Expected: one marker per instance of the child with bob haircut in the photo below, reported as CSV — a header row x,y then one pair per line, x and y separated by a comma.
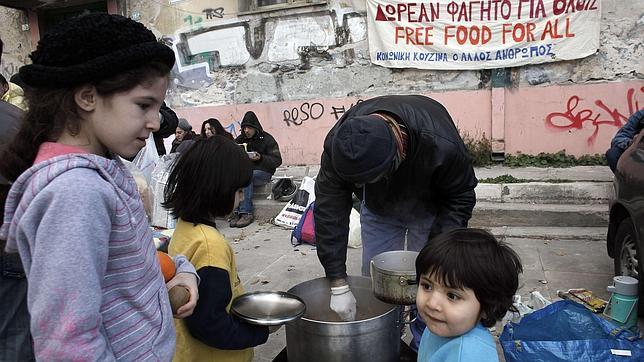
x,y
207,182
466,280
95,288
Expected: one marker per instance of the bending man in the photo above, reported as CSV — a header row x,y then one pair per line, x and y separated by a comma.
x,y
403,158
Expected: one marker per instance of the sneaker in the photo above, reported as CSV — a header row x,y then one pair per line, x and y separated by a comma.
x,y
233,219
245,220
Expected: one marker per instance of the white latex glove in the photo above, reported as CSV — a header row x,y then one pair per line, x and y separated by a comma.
x,y
343,302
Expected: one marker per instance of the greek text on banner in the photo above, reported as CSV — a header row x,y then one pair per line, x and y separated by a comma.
x,y
480,34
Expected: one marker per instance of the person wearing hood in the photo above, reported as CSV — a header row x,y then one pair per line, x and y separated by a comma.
x,y
403,157
265,154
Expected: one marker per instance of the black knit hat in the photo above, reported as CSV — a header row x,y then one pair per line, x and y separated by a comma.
x,y
363,148
90,48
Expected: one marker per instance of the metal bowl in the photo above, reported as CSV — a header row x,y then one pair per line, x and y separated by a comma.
x,y
268,308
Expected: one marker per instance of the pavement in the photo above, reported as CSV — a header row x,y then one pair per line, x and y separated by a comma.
x,y
267,261
556,223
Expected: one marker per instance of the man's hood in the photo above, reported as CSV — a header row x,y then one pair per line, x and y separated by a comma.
x,y
250,120
36,178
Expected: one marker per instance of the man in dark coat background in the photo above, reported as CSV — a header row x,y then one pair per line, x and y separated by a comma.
x,y
15,336
403,157
265,154
168,124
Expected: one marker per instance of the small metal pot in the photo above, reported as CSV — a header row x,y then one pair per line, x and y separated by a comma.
x,y
393,277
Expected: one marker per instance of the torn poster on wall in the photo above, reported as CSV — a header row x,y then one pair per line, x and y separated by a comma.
x,y
480,34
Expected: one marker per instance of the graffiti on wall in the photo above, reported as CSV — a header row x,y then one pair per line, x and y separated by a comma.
x,y
9,69
295,37
213,13
578,116
307,111
194,21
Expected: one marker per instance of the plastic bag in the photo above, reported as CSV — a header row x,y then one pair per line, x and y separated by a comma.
x,y
355,233
160,215
290,215
538,301
521,310
147,158
142,185
567,331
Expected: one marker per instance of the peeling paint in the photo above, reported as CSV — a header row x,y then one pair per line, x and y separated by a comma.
x,y
290,34
321,51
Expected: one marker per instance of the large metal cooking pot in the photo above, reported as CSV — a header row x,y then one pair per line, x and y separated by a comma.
x,y
320,335
393,277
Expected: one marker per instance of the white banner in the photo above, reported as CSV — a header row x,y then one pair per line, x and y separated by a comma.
x,y
480,34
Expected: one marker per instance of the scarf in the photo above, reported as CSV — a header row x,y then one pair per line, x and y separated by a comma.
x,y
400,136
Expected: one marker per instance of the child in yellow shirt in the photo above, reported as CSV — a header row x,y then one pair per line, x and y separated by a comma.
x,y
207,182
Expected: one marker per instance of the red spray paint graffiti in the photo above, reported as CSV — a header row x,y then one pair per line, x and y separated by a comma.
x,y
574,118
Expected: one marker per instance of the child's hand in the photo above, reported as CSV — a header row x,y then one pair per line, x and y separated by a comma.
x,y
189,281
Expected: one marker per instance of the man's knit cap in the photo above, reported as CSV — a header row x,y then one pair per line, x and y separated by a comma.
x,y
184,125
363,148
92,47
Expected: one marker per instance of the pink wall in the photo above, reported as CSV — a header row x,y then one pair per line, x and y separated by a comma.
x,y
525,121
582,119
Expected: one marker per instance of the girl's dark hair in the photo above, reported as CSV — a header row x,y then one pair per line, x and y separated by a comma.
x,y
205,178
474,259
52,110
216,127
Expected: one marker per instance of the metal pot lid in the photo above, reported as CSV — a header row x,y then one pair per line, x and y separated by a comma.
x,y
397,262
268,308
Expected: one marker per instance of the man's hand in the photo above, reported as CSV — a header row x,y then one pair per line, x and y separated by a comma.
x,y
189,281
254,156
343,302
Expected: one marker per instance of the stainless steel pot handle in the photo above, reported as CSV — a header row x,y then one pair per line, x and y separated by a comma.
x,y
407,281
406,316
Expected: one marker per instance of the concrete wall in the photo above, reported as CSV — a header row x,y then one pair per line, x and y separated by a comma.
x,y
283,61
17,42
280,55
230,61
581,119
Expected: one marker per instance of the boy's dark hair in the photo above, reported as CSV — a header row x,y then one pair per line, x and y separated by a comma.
x,y
52,110
474,259
204,180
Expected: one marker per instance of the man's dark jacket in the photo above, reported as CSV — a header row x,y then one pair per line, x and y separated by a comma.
x,y
10,119
437,177
262,143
